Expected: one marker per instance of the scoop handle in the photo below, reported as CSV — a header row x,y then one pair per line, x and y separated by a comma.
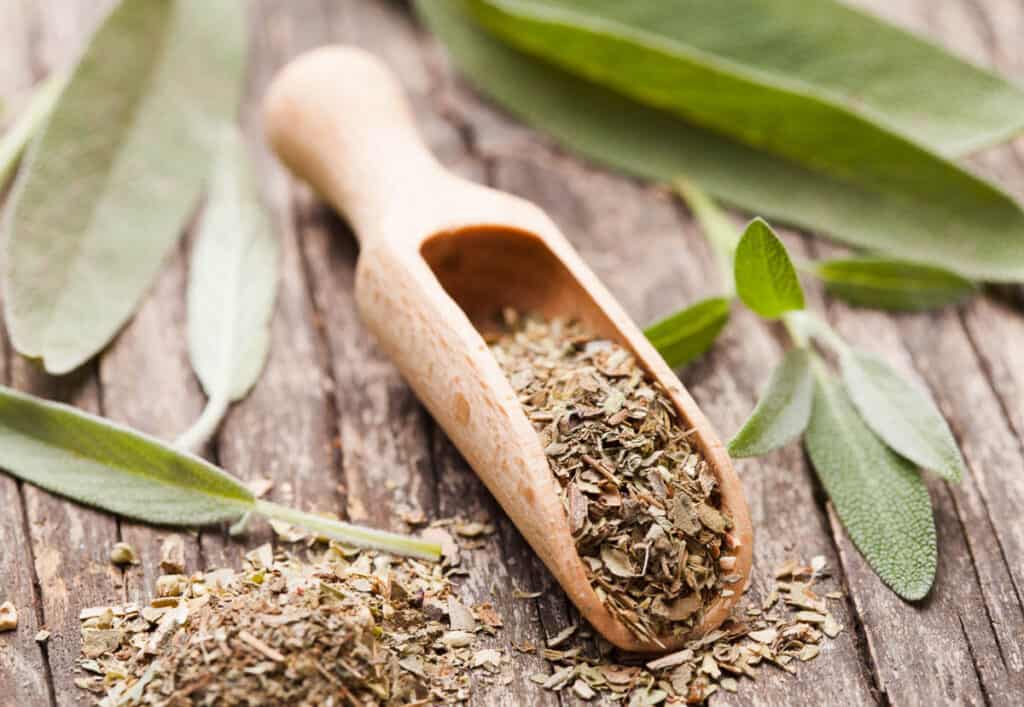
x,y
337,117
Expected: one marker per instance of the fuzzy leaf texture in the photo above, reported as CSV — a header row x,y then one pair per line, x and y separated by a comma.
x,y
651,106
892,284
110,181
102,464
902,413
232,278
688,333
766,280
878,494
782,412
798,56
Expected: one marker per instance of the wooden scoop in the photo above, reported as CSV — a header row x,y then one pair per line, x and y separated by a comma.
x,y
438,254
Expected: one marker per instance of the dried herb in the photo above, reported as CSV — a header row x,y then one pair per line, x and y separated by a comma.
x,y
8,616
123,554
351,627
785,628
642,503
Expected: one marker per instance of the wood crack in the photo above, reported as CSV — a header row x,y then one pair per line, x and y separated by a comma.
x,y
869,663
1004,410
977,575
37,592
974,661
324,352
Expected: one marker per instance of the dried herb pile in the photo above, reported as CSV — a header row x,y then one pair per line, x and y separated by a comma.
x,y
642,503
352,628
784,630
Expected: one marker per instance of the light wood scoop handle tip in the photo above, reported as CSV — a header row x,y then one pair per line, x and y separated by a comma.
x,y
338,118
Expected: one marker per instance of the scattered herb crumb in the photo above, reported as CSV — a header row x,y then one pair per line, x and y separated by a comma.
x,y
350,627
172,555
123,554
8,616
790,633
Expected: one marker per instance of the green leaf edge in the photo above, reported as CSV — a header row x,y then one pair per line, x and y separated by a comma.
x,y
860,292
758,244
746,442
953,474
673,332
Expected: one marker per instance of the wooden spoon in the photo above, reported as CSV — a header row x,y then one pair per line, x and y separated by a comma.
x,y
439,253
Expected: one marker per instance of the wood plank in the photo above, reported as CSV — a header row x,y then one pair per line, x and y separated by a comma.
x,y
322,382
24,672
70,543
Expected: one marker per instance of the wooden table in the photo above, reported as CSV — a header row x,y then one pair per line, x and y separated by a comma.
x,y
336,428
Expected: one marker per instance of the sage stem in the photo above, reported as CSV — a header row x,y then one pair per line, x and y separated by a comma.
x,y
202,430
358,536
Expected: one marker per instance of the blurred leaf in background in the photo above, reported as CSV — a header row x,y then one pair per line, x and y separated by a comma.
x,y
787,138
116,171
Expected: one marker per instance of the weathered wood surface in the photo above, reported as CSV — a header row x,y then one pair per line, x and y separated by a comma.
x,y
336,428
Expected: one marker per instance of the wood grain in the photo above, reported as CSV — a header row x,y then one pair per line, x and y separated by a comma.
x,y
335,427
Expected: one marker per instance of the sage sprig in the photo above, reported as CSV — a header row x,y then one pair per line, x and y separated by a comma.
x,y
95,217
880,283
864,436
793,58
99,463
231,289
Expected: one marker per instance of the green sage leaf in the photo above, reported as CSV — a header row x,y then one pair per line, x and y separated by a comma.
x,y
901,413
892,284
766,280
112,178
102,464
688,333
791,57
783,410
877,190
878,494
232,285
